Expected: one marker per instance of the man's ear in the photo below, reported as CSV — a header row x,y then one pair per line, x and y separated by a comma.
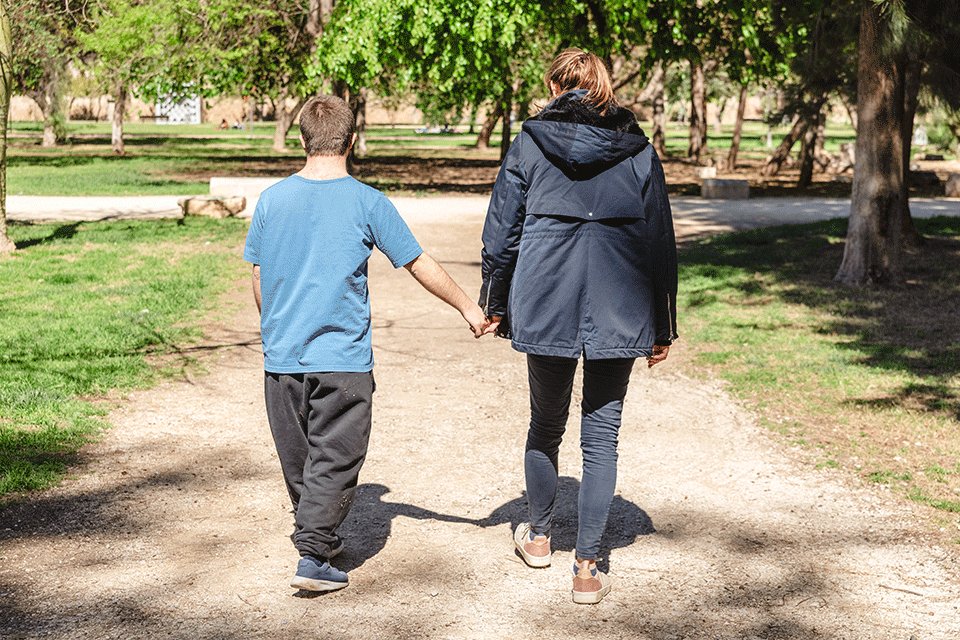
x,y
302,142
352,140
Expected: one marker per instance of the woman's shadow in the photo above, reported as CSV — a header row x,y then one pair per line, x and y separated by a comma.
x,y
369,525
625,522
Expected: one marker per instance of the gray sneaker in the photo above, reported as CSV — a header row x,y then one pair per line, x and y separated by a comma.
x,y
314,575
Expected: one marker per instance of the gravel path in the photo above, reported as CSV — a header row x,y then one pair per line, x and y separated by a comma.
x,y
177,525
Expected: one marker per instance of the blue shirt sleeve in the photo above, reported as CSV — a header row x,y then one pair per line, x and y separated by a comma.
x,y
392,235
251,250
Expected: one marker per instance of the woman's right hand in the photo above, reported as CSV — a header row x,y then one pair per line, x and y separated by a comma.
x,y
494,323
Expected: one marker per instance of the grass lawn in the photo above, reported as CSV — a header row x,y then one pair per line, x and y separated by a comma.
x,y
867,381
89,309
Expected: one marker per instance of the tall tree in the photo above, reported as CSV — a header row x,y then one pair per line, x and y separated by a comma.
x,y
43,31
737,35
261,50
130,45
874,249
453,55
6,86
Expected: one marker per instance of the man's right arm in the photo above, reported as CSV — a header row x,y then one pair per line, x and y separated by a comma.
x,y
256,287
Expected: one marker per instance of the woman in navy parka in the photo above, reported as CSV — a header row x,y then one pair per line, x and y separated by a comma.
x,y
579,259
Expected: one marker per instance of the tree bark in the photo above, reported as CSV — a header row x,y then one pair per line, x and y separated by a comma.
x,y
47,99
659,134
119,111
486,131
6,87
873,251
698,111
737,129
808,150
285,119
358,104
782,151
507,117
911,91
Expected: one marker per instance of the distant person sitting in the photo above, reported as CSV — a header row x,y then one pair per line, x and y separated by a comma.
x,y
237,125
223,125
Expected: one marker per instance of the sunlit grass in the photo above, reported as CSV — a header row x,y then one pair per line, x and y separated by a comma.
x,y
87,309
864,380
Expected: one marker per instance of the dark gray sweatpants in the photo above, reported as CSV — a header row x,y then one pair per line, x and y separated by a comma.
x,y
321,427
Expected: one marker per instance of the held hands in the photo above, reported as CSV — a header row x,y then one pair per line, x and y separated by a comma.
x,y
659,355
480,325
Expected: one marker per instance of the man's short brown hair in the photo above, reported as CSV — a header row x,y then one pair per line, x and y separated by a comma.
x,y
326,124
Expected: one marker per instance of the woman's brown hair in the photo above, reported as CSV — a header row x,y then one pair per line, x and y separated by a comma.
x,y
578,69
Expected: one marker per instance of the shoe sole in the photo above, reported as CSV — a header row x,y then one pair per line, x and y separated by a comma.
x,y
590,597
537,562
309,584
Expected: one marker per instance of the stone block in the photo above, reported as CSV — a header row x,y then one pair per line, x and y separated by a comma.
x,y
724,189
923,179
953,186
706,172
212,206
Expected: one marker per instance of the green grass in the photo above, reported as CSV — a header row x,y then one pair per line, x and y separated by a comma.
x,y
87,309
180,159
864,380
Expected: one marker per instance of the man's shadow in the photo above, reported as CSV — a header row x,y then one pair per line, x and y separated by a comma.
x,y
366,529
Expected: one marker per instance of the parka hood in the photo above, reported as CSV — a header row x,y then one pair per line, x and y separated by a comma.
x,y
581,141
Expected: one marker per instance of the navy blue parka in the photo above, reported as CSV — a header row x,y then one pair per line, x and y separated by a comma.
x,y
579,253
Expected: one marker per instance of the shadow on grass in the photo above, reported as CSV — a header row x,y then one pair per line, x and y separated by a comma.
x,y
914,329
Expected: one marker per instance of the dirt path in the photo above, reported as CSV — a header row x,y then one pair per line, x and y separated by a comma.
x,y
178,526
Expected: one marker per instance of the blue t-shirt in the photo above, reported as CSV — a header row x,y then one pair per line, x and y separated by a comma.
x,y
312,240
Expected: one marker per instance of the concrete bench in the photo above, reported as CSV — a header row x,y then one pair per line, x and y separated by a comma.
x,y
246,187
724,189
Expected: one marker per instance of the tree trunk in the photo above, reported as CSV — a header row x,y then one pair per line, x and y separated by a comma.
x,y
659,133
119,111
873,250
851,111
486,131
6,87
737,129
507,117
50,114
285,119
911,91
783,150
358,104
808,150
698,111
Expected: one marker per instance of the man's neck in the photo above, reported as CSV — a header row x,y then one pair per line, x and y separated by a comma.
x,y
324,168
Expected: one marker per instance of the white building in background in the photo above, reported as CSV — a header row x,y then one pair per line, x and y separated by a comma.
x,y
178,110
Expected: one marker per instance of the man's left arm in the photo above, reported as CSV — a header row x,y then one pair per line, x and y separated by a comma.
x,y
437,281
256,287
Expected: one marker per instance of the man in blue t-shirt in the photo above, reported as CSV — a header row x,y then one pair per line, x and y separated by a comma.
x,y
310,239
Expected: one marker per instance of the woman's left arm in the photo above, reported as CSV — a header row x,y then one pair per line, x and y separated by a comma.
x,y
663,245
501,231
